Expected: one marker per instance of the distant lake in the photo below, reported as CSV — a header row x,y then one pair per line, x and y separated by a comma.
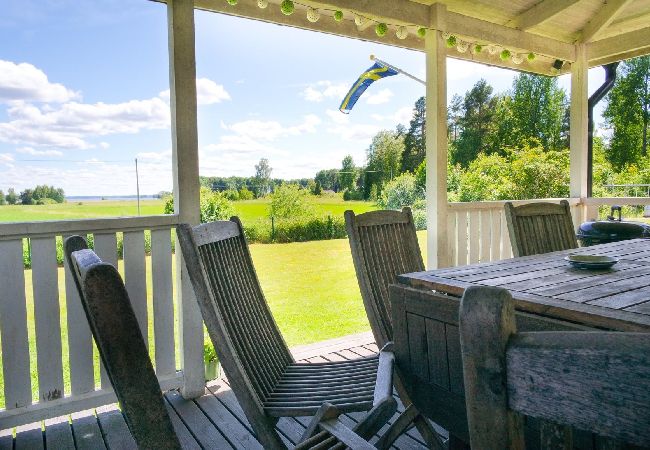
x,y
99,198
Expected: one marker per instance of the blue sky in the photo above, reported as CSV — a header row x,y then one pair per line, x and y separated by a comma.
x,y
84,91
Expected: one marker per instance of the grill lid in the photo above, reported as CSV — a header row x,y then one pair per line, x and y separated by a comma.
x,y
613,228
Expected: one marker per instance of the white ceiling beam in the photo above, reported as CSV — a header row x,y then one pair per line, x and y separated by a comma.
x,y
489,32
602,19
633,43
407,12
539,13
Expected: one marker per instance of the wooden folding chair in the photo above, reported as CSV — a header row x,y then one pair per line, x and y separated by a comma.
x,y
266,380
384,244
593,381
540,228
121,346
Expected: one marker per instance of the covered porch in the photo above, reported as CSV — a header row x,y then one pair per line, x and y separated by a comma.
x,y
564,37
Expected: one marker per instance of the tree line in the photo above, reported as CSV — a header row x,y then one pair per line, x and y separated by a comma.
x,y
510,145
40,195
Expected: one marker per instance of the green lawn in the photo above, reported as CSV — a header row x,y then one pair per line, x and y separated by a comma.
x,y
248,211
310,286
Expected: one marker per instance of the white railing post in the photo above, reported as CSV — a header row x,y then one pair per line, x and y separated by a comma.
x,y
579,134
182,76
436,140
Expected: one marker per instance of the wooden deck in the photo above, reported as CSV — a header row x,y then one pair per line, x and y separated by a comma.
x,y
213,421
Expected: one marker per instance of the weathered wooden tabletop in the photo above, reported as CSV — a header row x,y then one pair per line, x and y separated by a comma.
x,y
616,299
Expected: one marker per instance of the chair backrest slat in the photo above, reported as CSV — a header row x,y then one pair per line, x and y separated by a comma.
x,y
121,347
384,244
593,381
246,337
540,228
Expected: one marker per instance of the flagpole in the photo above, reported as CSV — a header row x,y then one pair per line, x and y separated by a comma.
x,y
385,64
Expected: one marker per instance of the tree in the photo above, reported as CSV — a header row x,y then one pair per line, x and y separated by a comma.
x,y
11,196
538,111
328,179
262,179
477,112
288,201
347,175
27,197
628,113
2,198
414,140
384,159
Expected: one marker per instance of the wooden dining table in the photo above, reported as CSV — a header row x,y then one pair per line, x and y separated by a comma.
x,y
549,294
547,285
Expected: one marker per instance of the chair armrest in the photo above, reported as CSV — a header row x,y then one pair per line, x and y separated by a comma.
x,y
384,383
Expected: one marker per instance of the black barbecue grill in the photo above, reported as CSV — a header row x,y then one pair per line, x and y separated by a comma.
x,y
613,229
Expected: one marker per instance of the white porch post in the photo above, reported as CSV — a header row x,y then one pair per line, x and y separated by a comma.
x,y
185,160
578,129
436,140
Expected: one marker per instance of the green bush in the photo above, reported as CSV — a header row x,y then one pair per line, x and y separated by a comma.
x,y
46,201
213,205
246,194
288,201
400,191
231,194
309,229
352,195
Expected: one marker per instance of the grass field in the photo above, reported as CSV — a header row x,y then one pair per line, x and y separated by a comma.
x,y
310,286
248,211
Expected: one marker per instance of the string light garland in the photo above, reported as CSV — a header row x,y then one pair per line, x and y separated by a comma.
x,y
402,32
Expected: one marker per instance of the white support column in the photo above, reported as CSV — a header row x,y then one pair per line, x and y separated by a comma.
x,y
436,141
578,131
185,160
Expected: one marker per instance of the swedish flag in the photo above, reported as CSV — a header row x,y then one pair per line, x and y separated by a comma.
x,y
376,72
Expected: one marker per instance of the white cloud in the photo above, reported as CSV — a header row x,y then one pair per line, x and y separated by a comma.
x,y
6,157
380,97
207,92
359,132
337,116
319,91
155,156
33,152
402,115
69,125
271,130
24,82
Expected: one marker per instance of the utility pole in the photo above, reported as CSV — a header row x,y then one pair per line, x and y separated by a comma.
x,y
137,184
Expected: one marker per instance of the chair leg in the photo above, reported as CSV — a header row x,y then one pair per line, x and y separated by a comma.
x,y
410,416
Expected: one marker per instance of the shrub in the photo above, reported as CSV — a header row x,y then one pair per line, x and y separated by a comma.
x,y
309,229
289,201
246,194
213,205
231,194
352,195
46,201
399,192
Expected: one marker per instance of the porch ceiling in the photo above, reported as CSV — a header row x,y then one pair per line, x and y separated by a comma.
x,y
611,29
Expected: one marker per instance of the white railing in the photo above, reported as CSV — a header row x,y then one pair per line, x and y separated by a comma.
x,y
478,230
46,303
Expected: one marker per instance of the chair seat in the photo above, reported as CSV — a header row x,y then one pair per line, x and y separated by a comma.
x,y
304,387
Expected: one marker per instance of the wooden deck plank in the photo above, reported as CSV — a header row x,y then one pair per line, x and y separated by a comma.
x,y
199,425
184,436
116,433
227,397
238,435
58,434
29,437
215,420
86,431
